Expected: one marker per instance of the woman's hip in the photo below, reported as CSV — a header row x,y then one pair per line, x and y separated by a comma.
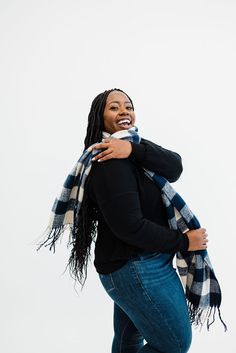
x,y
143,271
146,278
148,289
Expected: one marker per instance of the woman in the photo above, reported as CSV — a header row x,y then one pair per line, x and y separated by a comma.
x,y
135,246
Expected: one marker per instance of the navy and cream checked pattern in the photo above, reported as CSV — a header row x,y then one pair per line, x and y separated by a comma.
x,y
194,267
195,270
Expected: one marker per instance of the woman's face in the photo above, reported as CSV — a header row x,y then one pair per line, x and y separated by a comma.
x,y
118,113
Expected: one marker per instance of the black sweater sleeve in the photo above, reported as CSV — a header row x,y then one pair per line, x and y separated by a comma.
x,y
115,188
157,159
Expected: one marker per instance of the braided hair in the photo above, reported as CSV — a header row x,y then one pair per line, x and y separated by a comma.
x,y
86,229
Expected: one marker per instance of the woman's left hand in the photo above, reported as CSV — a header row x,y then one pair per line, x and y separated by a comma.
x,y
114,148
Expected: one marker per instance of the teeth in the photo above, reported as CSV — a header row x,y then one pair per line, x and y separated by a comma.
x,y
125,121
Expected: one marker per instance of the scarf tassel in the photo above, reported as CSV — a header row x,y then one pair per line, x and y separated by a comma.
x,y
199,316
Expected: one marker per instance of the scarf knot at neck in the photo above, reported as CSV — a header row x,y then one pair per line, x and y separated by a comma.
x,y
130,135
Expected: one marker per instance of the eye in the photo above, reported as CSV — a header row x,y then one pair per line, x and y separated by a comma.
x,y
113,108
129,108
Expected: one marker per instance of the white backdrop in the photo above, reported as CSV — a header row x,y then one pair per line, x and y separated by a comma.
x,y
176,59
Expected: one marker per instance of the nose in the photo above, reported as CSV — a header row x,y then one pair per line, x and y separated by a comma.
x,y
123,111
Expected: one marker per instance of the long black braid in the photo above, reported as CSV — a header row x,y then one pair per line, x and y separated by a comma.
x,y
86,228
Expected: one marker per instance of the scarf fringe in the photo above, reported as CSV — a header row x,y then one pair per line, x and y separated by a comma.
x,y
199,316
52,236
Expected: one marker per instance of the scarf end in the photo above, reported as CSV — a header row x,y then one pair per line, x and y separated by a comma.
x,y
199,316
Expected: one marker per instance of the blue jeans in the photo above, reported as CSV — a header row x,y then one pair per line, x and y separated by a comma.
x,y
150,305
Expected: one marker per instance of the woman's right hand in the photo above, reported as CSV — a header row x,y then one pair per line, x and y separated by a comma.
x,y
197,239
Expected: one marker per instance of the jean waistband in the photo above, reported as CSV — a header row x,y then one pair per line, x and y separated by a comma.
x,y
144,255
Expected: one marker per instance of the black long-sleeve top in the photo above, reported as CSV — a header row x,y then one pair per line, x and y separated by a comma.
x,y
131,215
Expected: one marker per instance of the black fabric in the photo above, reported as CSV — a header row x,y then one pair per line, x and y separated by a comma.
x,y
131,215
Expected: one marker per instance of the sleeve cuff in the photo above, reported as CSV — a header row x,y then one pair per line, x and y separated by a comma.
x,y
185,242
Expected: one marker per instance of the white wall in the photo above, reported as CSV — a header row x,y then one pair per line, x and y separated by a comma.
x,y
176,59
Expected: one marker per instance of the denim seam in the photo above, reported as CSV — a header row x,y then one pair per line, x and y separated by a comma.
x,y
159,312
127,323
113,284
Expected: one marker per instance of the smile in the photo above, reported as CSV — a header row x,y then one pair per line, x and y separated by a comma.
x,y
124,122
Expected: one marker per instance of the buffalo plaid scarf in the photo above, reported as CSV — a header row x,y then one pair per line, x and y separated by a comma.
x,y
202,289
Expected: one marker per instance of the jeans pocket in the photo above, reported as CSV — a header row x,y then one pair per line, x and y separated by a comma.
x,y
107,282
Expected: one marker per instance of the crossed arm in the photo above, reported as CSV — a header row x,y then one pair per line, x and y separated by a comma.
x,y
157,159
146,154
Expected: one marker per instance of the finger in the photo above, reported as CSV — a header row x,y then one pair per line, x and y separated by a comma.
x,y
95,158
102,154
101,145
106,140
106,157
204,246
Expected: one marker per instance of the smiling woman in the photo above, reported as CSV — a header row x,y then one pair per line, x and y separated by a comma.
x,y
119,112
118,115
121,204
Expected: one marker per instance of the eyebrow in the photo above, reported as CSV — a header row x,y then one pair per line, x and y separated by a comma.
x,y
119,102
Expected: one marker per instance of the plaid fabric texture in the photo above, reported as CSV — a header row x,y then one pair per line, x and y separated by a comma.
x,y
201,286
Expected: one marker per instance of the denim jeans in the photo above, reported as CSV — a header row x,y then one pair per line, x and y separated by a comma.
x,y
150,305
